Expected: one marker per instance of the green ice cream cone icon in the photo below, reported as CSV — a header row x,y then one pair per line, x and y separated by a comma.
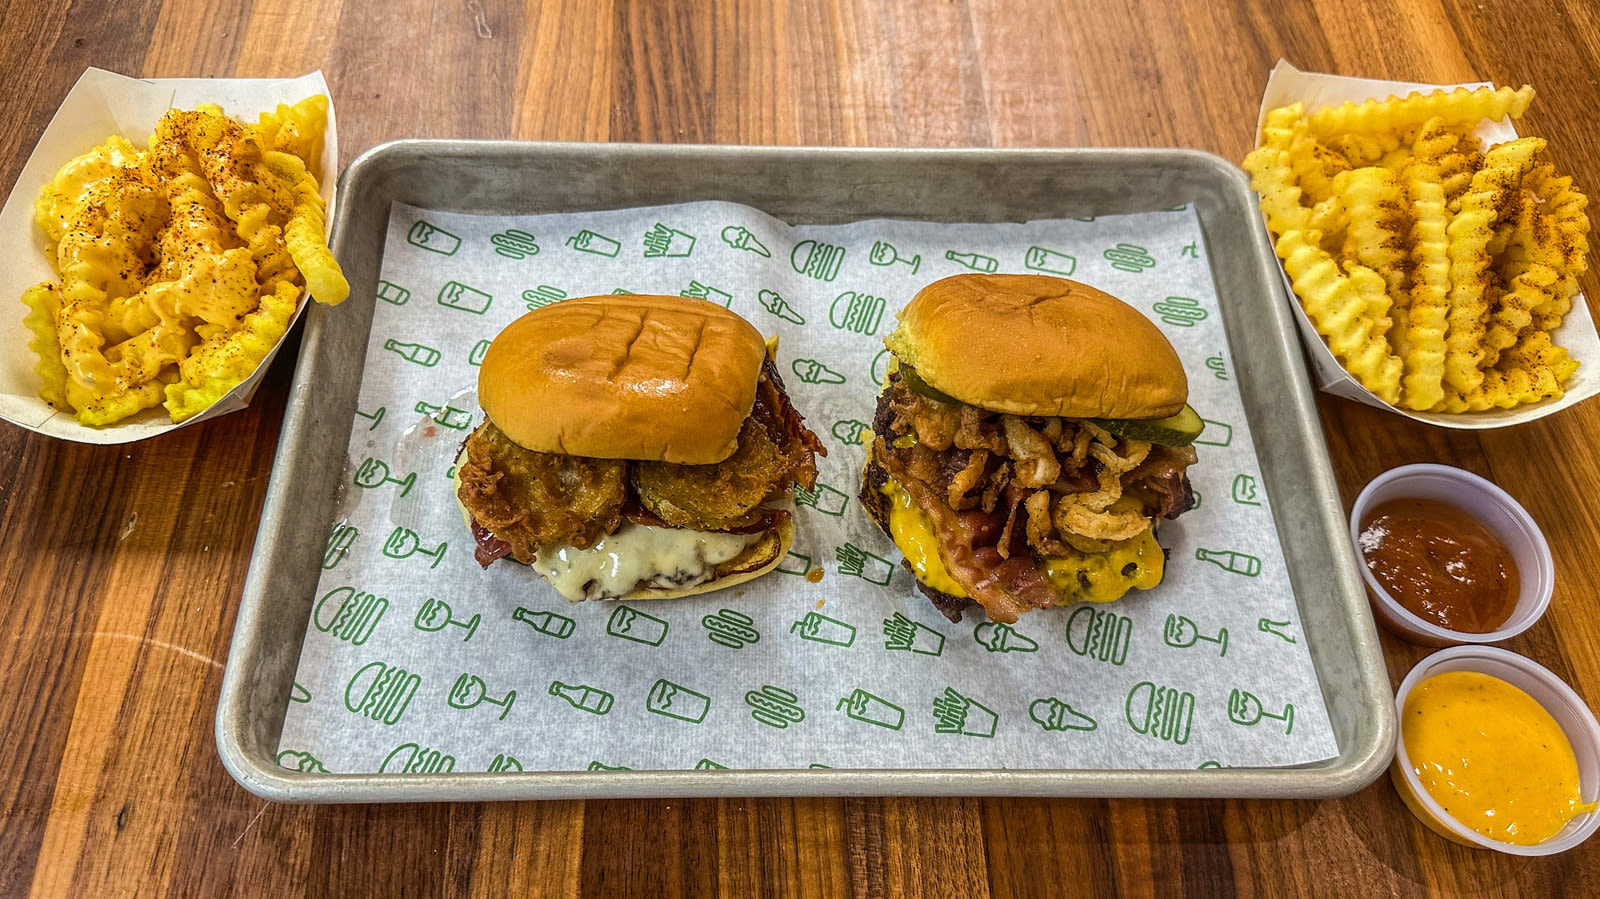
x,y
819,628
374,473
418,353
698,291
662,241
811,371
413,758
503,763
1099,634
816,260
436,614
514,244
590,699
864,706
393,293
795,563
1244,708
1268,626
548,623
1129,257
732,629
996,637
1244,490
672,700
1229,560
740,238
1180,632
774,707
851,432
632,624
432,238
975,261
1165,713
1050,262
403,543
901,634
954,713
303,762
381,692
339,545
587,241
825,499
884,253
771,301
1180,312
348,614
857,562
469,692
857,313
1055,714
456,295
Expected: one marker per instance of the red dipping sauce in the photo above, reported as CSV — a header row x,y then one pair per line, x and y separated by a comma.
x,y
1441,564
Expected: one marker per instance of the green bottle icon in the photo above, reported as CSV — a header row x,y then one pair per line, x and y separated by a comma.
x,y
864,706
811,371
1129,257
825,499
632,624
774,707
503,763
547,623
731,629
954,713
339,543
425,356
587,241
542,296
698,291
598,766
996,637
1056,714
901,634
447,415
884,253
436,615
1180,632
857,562
709,765
381,692
858,313
672,700
1218,366
349,615
1229,560
433,239
1244,490
1268,626
478,351
975,261
514,244
413,758
795,563
455,295
469,692
777,305
816,260
740,238
375,417
1244,708
1215,433
374,473
303,762
1180,312
851,432
393,293
403,543
1051,262
662,241
819,628
1165,713
590,699
1099,634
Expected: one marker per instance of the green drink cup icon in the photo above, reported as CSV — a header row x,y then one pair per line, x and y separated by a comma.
x,y
954,713
1165,713
1268,626
514,244
339,543
825,499
420,354
1228,560
864,706
374,473
436,614
975,261
632,624
1180,312
503,763
662,241
819,628
1180,632
816,260
1129,257
1244,490
884,253
901,634
698,291
811,371
771,301
393,293
850,432
1099,634
349,615
774,707
857,562
740,238
381,692
587,241
432,238
548,623
303,762
795,563
478,350
672,700
455,295
413,758
1051,262
403,543
469,691
996,637
1215,433
858,313
590,699
1055,714
1245,709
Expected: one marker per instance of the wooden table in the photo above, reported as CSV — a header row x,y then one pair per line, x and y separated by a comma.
x,y
122,566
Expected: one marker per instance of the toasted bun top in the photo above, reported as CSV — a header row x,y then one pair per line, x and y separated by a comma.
x,y
666,379
1036,345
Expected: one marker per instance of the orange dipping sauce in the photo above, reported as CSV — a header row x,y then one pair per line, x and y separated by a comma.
x,y
1441,564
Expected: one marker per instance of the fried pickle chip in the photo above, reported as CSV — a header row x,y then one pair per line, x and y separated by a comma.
x,y
718,496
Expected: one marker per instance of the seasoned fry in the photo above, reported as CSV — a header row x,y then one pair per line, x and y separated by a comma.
x,y
1461,105
1339,312
1370,197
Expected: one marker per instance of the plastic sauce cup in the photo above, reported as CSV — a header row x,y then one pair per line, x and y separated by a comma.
x,y
1492,507
1549,691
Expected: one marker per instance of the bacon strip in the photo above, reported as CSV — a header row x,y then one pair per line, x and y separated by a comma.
x,y
490,547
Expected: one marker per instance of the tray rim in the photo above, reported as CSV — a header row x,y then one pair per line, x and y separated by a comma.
x,y
1354,768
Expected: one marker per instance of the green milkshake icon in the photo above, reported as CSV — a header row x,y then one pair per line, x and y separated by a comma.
x,y
811,371
469,692
774,707
1268,626
1244,708
381,692
816,260
632,624
698,291
1228,560
503,763
857,313
413,758
795,563
1099,634
672,700
825,499
432,238
435,615
1056,714
975,261
1129,257
857,562
851,432
349,615
374,473
864,706
884,253
403,543
740,238
587,241
954,713
456,295
303,762
445,414
514,244
548,623
662,241
1049,261
375,417
590,699
819,628
777,305
1165,713
393,293
901,634
731,629
418,353
1244,490
1180,312
1180,632
996,637
339,543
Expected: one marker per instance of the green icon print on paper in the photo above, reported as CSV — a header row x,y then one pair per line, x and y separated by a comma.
x,y
851,432
403,543
381,692
514,244
436,615
455,295
349,614
975,261
997,637
1191,250
640,627
303,762
339,542
858,313
774,707
1129,257
390,292
1056,714
1244,490
1050,262
447,415
709,765
478,351
298,693
857,562
1208,765
1180,632
1180,312
816,260
375,417
1229,560
672,700
587,241
1268,626
864,706
740,238
884,253
548,623
593,700
698,291
777,305
880,366
1244,708
731,629
1218,366
1216,433
413,758
503,763
1099,634
901,634
662,241
542,296
825,499
820,766
600,766
1165,713
795,563
374,473
433,239
469,692
819,628
811,371
420,354
957,714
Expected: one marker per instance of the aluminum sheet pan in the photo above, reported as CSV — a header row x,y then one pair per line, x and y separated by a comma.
x,y
805,185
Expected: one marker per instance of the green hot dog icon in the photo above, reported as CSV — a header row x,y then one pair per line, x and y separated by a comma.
x,y
774,707
1181,312
731,629
1165,713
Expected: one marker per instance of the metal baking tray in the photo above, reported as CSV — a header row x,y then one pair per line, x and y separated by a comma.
x,y
804,185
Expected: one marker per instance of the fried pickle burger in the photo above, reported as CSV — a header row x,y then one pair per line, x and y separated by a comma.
x,y
634,447
1031,433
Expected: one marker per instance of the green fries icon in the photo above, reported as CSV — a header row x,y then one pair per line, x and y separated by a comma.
x,y
514,244
731,629
403,543
901,634
954,713
825,499
663,241
857,562
374,473
774,707
699,291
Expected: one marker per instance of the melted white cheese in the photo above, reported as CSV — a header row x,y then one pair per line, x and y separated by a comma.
x,y
638,556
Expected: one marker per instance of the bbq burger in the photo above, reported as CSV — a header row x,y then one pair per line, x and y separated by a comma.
x,y
634,447
1031,432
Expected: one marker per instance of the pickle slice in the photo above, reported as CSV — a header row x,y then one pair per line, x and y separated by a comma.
x,y
915,384
1175,430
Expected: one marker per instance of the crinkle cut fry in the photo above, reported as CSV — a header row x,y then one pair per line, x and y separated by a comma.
x,y
1392,114
220,364
1336,307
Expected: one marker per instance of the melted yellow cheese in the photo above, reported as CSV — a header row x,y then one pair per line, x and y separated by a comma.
x,y
912,531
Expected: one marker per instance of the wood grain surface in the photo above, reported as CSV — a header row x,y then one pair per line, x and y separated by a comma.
x,y
121,567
